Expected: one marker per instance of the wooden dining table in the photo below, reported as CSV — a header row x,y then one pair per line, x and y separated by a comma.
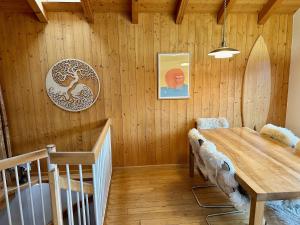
x,y
265,168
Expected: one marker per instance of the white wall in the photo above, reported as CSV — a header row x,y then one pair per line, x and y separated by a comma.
x,y
293,108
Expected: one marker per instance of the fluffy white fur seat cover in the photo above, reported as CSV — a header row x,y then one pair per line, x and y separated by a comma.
x,y
281,134
218,168
194,137
212,123
286,212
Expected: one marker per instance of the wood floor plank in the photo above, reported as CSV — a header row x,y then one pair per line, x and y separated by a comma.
x,y
161,195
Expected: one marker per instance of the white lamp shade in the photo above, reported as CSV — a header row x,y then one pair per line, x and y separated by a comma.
x,y
223,52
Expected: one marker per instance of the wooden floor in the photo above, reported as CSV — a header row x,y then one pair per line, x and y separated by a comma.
x,y
161,195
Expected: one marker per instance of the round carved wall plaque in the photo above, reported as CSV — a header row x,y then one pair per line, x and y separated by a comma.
x,y
72,85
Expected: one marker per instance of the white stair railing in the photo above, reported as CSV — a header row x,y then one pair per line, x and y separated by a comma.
x,y
33,202
100,161
24,212
102,171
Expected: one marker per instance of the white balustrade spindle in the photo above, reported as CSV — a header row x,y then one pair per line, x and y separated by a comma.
x,y
6,197
102,170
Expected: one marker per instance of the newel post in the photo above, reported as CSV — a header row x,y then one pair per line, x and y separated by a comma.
x,y
53,174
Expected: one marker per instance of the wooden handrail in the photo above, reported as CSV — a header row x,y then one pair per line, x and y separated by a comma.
x,y
75,185
21,159
84,158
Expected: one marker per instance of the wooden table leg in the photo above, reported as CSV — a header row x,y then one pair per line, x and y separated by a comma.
x,y
257,212
191,161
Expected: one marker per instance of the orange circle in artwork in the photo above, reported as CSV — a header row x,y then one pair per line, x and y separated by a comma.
x,y
175,78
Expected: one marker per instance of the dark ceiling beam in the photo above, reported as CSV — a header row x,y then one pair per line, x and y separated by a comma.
x,y
39,10
135,11
268,10
180,10
87,10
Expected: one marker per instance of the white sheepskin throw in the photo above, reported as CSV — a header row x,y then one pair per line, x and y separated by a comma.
x,y
212,123
281,134
240,202
207,151
287,211
221,172
194,137
227,183
218,168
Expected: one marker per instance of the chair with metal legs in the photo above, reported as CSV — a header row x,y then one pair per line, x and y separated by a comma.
x,y
211,158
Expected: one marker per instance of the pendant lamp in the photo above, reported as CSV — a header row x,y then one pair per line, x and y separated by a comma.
x,y
224,51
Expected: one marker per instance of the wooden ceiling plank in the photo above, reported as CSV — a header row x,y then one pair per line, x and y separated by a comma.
x,y
180,11
38,9
135,11
87,10
220,16
267,10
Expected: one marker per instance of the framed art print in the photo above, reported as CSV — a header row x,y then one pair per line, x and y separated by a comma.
x,y
173,75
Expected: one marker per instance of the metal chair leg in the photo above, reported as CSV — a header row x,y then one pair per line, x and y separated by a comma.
x,y
207,206
221,214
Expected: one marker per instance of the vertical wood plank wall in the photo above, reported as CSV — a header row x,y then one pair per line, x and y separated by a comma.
x,y
145,130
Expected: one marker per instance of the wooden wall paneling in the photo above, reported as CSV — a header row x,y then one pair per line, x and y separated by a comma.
x,y
116,81
140,76
50,51
182,128
3,153
240,67
198,58
287,59
231,70
158,103
98,111
105,65
9,85
149,86
165,104
47,56
273,50
132,159
87,115
72,46
224,73
4,133
24,82
124,64
173,38
63,140
214,110
145,130
207,61
191,48
36,80
283,27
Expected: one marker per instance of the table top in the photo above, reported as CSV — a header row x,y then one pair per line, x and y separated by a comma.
x,y
267,169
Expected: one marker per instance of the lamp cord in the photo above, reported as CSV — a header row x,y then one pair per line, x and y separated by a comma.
x,y
223,44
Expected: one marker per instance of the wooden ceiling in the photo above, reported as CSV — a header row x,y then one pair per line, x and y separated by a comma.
x,y
262,7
